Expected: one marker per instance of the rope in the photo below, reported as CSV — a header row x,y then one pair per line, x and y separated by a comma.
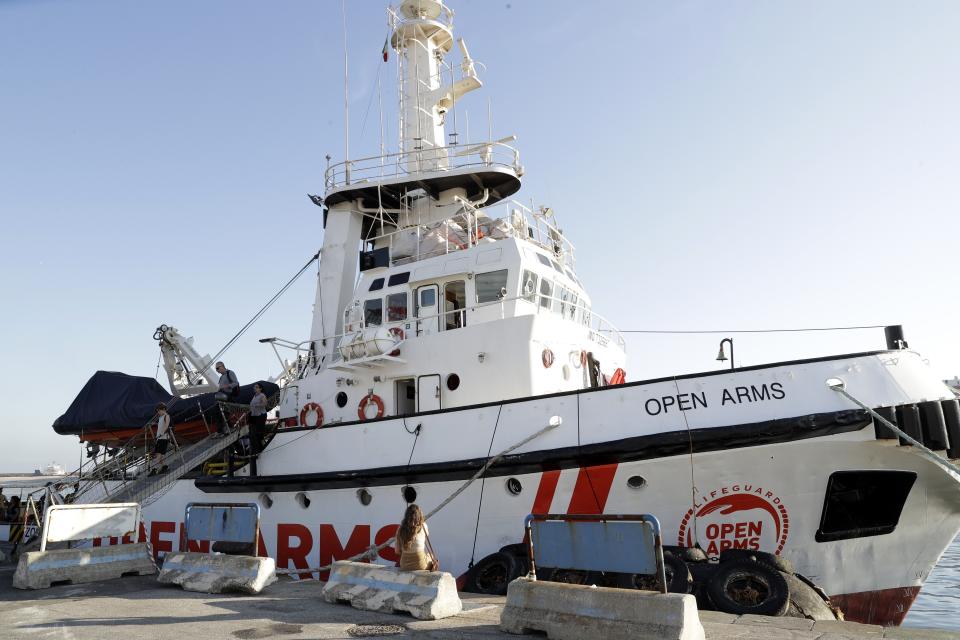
x,y
264,308
869,326
373,550
919,446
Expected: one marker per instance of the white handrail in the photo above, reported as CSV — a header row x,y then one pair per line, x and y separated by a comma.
x,y
363,170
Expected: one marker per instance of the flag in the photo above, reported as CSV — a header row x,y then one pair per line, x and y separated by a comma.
x,y
386,50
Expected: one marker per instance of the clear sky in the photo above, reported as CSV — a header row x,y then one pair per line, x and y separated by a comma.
x,y
719,165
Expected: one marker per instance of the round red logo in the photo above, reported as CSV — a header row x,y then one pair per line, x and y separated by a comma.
x,y
739,516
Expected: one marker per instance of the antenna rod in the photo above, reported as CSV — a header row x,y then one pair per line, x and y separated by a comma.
x,y
346,93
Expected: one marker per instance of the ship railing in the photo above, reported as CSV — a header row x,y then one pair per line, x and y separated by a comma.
x,y
476,226
478,155
531,303
445,18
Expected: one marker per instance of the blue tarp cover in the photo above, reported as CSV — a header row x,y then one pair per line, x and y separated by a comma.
x,y
114,401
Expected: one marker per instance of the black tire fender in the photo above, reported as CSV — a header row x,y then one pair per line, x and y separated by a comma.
x,y
744,586
679,579
777,562
493,573
687,554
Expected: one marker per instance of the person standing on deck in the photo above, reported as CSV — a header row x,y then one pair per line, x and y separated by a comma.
x,y
229,387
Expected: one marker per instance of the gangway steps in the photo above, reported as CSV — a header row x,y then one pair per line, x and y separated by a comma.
x,y
189,458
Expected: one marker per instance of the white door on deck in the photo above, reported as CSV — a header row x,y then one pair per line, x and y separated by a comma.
x,y
428,393
428,320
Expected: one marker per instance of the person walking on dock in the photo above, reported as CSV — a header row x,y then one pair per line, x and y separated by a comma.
x,y
413,542
258,419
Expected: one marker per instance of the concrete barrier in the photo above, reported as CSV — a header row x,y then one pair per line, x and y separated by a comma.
x,y
574,612
40,569
218,573
426,595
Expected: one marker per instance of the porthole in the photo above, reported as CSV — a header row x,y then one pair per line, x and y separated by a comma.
x,y
341,399
514,487
265,500
636,482
409,494
364,497
453,382
302,500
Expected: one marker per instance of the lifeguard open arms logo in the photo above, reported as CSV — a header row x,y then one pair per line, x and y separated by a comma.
x,y
738,516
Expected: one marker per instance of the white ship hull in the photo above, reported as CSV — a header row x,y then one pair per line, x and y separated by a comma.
x,y
746,463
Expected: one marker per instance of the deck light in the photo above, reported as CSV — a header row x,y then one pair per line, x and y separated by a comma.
x,y
722,356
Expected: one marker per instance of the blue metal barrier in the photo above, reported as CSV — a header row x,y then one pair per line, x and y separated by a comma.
x,y
223,522
616,542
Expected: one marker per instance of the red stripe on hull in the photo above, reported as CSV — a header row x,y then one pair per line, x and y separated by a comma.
x,y
545,492
592,489
887,607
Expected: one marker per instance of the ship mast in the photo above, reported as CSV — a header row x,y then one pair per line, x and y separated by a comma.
x,y
424,183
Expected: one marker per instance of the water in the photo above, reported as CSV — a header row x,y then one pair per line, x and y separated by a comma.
x,y
938,605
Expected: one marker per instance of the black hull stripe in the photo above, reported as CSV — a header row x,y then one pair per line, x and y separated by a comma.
x,y
660,445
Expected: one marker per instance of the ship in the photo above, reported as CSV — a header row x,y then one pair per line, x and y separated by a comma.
x,y
450,328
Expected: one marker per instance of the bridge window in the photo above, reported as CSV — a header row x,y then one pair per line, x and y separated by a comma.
x,y
863,503
376,285
399,278
543,260
546,293
491,285
373,312
454,304
528,286
572,309
397,307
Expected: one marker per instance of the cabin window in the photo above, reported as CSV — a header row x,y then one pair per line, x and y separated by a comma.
x,y
491,285
454,305
543,260
572,309
560,300
376,285
399,278
863,503
373,312
528,286
397,307
546,293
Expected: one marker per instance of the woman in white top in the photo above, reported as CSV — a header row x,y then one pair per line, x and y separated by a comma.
x,y
413,541
163,438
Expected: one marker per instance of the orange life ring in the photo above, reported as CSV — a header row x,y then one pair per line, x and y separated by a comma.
x,y
307,408
547,358
362,409
398,332
583,358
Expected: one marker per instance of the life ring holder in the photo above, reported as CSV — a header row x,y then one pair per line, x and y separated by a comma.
x,y
579,359
398,333
307,408
367,399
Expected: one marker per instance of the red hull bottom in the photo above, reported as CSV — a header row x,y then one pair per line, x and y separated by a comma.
x,y
887,607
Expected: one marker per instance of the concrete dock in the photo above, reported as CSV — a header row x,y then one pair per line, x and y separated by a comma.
x,y
138,608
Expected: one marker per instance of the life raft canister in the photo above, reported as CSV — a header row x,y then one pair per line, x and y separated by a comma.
x,y
362,409
305,414
619,376
400,335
